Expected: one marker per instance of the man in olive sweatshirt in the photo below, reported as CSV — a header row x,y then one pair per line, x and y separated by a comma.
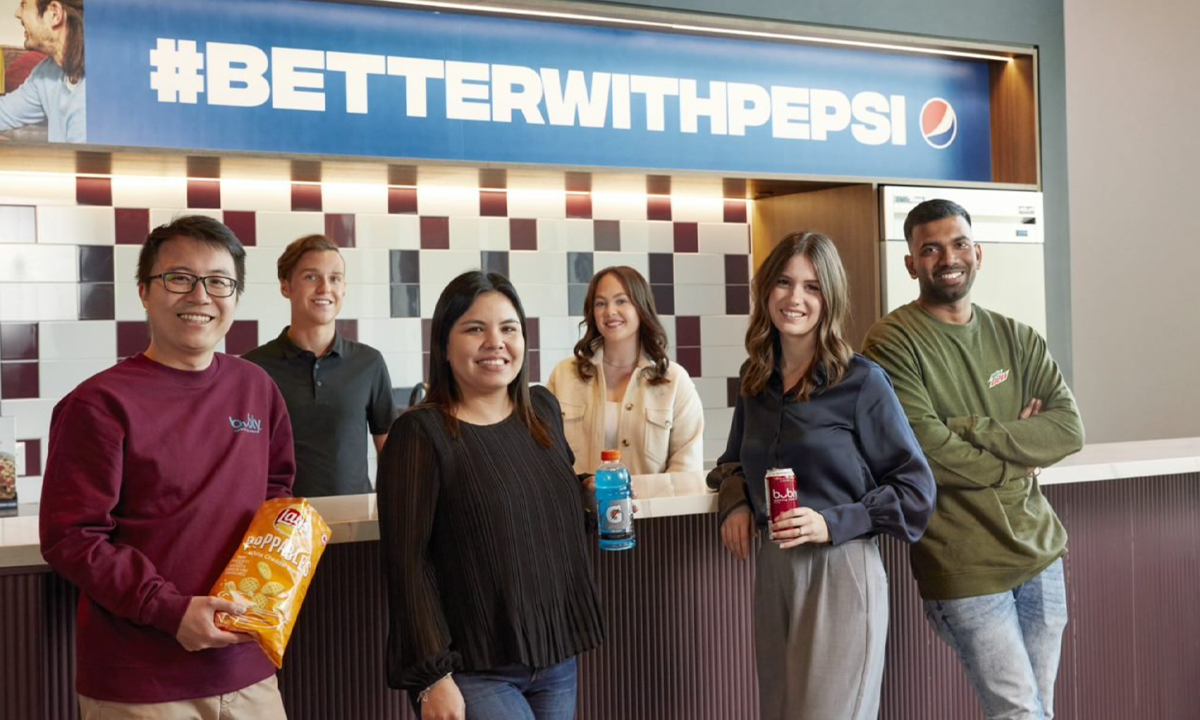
x,y
990,408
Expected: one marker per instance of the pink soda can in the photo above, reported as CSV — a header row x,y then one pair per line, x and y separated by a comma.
x,y
781,495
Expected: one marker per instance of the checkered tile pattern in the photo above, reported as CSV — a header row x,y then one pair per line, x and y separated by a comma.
x,y
69,244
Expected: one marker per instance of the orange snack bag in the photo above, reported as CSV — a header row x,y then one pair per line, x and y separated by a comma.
x,y
270,572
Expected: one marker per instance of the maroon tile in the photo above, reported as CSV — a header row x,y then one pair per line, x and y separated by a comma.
x,y
435,233
493,203
687,331
93,163
242,337
664,299
306,171
425,367
535,366
33,457
687,237
578,182
608,235
533,337
737,269
348,329
402,200
133,336
204,193
733,188
658,207
306,196
658,184
735,211
426,328
18,380
244,225
493,178
579,205
689,358
339,227
203,167
97,301
19,341
93,190
662,268
405,175
733,388
132,225
737,299
522,234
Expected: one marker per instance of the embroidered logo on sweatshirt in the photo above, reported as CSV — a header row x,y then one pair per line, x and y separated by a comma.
x,y
250,425
997,377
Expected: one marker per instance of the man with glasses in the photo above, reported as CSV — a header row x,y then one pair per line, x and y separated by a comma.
x,y
155,468
337,390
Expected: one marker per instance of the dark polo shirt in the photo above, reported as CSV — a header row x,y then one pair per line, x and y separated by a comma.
x,y
333,402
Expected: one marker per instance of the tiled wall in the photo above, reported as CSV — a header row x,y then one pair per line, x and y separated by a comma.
x,y
69,244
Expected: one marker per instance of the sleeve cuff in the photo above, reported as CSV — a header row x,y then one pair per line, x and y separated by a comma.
x,y
166,610
430,670
846,522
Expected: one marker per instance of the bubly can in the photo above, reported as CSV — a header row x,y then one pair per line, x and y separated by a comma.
x,y
781,494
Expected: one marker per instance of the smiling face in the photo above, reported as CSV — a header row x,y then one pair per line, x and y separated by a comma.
x,y
944,260
186,328
615,315
486,348
39,29
795,301
316,289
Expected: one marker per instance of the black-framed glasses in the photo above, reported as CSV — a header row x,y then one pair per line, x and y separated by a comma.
x,y
183,283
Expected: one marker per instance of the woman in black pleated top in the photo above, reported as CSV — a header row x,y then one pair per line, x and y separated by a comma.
x,y
482,523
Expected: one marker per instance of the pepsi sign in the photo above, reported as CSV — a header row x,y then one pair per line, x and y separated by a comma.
x,y
294,76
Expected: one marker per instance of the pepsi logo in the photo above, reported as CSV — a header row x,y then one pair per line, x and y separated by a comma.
x,y
939,123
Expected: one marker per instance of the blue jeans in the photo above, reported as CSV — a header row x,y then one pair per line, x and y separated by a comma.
x,y
1009,643
519,692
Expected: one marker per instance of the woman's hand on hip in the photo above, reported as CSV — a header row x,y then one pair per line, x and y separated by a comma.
x,y
800,526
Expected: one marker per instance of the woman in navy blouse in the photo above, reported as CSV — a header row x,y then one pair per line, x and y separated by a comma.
x,y
810,404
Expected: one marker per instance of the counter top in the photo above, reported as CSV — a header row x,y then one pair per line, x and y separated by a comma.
x,y
353,517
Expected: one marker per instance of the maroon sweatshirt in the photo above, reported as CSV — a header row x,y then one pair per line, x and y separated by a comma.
x,y
152,478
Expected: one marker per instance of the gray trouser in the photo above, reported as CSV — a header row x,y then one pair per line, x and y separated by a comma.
x,y
820,628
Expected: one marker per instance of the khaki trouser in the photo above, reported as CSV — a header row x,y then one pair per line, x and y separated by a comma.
x,y
260,701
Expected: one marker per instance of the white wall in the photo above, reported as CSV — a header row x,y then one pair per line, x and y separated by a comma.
x,y
11,32
1133,109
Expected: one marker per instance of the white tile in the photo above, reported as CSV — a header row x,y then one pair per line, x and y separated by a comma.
x,y
260,195
668,323
580,235
535,268
690,208
262,302
727,238
279,229
39,263
699,269
391,335
88,339
448,201
262,264
717,421
535,202
149,192
721,361
699,299
406,369
33,415
127,305
29,489
712,391
483,233
661,236
33,302
364,300
366,267
635,235
618,206
56,378
354,197
438,268
402,232
542,301
558,332
37,189
76,225
164,216
724,330
18,224
637,261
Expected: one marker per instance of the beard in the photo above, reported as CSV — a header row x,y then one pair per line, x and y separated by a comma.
x,y
943,295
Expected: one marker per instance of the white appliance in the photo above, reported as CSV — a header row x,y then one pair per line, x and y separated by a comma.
x,y
1008,224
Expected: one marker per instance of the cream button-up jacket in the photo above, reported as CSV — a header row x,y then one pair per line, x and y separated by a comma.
x,y
660,429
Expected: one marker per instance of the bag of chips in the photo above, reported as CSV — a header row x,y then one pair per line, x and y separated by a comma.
x,y
270,572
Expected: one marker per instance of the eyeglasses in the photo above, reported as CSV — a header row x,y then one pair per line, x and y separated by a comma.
x,y
179,283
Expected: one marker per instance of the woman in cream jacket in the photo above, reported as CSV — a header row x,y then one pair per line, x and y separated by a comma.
x,y
621,391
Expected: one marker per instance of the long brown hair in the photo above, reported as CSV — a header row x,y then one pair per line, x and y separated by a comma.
x,y
762,337
455,300
651,336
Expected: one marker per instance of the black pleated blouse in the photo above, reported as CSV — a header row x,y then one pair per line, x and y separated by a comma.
x,y
484,546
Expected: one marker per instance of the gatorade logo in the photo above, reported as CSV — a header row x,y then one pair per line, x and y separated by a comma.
x,y
613,514
939,123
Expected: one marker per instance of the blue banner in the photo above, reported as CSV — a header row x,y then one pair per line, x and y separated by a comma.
x,y
298,76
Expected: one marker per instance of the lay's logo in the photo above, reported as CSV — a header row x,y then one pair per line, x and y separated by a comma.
x,y
997,377
288,520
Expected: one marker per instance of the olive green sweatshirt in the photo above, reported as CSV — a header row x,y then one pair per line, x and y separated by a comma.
x,y
963,388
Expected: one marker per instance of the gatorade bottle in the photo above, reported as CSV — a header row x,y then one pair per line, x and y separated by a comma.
x,y
614,501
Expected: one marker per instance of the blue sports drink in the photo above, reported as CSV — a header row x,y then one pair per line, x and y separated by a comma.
x,y
614,501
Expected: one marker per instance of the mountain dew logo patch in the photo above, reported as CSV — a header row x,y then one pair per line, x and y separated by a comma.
x,y
997,377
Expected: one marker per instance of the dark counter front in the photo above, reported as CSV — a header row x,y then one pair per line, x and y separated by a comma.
x,y
680,642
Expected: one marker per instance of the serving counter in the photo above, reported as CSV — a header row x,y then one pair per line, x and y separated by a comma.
x,y
678,610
